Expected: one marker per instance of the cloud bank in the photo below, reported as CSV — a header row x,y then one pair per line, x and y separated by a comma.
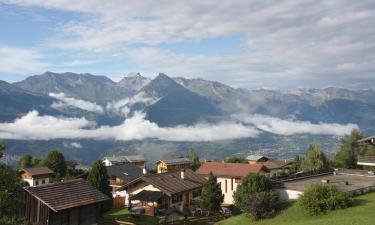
x,y
289,127
78,103
33,126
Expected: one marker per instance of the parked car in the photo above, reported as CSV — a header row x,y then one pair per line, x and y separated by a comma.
x,y
225,212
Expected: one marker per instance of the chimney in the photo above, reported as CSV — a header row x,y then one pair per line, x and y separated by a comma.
x,y
182,174
144,171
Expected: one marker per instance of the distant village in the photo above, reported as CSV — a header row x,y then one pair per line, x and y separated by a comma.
x,y
56,191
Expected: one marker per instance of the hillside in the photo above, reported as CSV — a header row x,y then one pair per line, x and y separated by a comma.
x,y
360,214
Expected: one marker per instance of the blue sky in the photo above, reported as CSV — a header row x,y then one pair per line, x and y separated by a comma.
x,y
248,44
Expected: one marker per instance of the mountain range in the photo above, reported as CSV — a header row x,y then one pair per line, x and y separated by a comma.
x,y
170,102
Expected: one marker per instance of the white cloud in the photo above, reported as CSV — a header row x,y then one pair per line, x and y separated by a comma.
x,y
122,106
36,127
21,61
289,127
78,103
72,145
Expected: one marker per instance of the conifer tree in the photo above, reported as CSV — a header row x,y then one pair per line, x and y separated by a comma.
x,y
98,177
212,197
26,161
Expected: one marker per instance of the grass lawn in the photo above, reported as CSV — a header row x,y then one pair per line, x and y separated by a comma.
x,y
362,213
124,215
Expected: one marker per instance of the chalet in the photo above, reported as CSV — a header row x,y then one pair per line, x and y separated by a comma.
x,y
137,160
119,175
36,176
229,175
252,159
367,160
166,165
73,202
173,189
275,167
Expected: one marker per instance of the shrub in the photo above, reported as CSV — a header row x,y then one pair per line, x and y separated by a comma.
x,y
320,198
255,197
261,204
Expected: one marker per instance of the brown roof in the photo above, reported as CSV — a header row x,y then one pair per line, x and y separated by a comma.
x,y
171,183
230,169
38,171
68,194
276,164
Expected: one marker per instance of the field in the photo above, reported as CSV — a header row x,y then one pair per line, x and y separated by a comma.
x,y
362,213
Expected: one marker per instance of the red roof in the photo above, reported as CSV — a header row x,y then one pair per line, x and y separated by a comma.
x,y
230,169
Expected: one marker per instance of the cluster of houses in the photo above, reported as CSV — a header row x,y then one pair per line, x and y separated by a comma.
x,y
174,185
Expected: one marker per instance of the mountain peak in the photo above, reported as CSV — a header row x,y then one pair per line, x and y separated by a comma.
x,y
134,75
134,81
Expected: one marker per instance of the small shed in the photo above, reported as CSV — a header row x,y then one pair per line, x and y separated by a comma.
x,y
73,202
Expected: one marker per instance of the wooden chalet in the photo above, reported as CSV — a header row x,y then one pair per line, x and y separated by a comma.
x,y
165,165
73,202
173,189
36,176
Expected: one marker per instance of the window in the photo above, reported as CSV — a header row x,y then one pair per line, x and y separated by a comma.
x,y
231,184
238,180
226,184
176,198
36,183
43,181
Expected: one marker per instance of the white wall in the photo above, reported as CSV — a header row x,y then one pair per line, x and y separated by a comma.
x,y
228,192
287,194
32,181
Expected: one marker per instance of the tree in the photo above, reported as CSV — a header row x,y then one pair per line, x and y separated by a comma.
x,y
2,148
320,198
296,167
261,204
314,160
194,158
212,197
98,177
252,183
234,159
11,194
255,196
349,150
26,161
56,162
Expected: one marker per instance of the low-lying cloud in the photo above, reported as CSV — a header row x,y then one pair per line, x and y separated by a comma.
x,y
65,101
33,126
289,127
123,106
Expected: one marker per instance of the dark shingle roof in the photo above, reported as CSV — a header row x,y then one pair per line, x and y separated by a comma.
x,y
147,196
176,161
369,140
38,171
126,172
171,183
65,195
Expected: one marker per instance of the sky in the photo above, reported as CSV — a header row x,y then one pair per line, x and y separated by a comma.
x,y
242,43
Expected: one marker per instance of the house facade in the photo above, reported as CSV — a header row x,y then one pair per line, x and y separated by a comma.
x,y
36,176
137,160
276,167
229,175
72,202
173,189
166,165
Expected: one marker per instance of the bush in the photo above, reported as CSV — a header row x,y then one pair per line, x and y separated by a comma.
x,y
320,198
261,204
255,196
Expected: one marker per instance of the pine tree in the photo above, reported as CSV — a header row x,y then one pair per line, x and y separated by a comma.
x,y
212,197
26,161
98,177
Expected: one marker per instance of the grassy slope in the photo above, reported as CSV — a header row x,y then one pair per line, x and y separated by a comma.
x,y
361,214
